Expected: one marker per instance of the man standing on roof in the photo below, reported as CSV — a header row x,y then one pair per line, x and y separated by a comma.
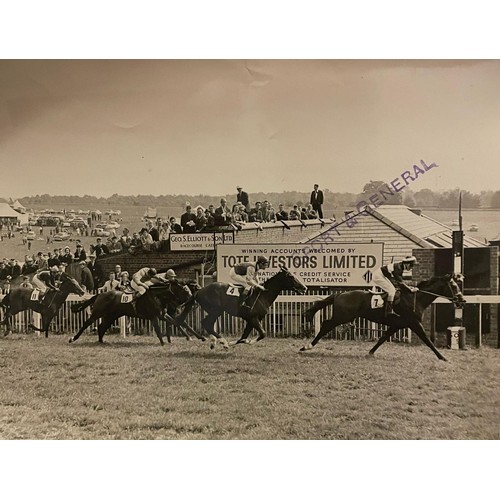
x,y
386,277
242,197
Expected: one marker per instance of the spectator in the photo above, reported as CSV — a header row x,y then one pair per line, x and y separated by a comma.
x,y
115,246
111,284
243,215
313,214
294,213
43,262
29,267
153,231
86,279
210,216
255,214
174,227
303,214
100,249
66,257
200,219
80,253
164,231
118,271
4,272
222,214
94,270
125,238
15,268
146,240
54,258
281,214
188,220
317,200
236,212
242,197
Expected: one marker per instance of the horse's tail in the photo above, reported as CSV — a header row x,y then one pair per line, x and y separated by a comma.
x,y
80,306
317,306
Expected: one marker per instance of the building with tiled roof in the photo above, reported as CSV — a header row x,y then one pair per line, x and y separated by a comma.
x,y
399,227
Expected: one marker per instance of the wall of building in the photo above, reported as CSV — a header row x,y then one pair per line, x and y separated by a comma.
x,y
426,269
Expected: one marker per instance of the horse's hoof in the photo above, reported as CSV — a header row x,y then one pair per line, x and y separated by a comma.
x,y
71,340
302,349
442,358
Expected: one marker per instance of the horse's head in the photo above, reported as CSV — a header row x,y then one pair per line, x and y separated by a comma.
x,y
446,286
70,285
455,281
288,281
181,293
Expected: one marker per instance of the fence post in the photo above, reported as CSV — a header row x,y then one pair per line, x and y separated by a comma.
x,y
123,326
37,321
479,332
317,323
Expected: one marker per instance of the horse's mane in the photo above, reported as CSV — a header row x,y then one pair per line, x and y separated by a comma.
x,y
273,277
434,279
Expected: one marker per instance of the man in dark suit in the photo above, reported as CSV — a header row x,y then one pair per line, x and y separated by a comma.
x,y
317,200
242,196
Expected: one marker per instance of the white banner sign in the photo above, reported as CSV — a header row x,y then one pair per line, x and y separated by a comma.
x,y
199,241
332,264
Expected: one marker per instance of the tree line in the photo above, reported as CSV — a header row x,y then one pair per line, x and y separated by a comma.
x,y
423,198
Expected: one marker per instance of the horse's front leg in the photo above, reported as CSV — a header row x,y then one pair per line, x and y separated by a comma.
x,y
326,326
419,330
246,332
156,326
384,338
262,333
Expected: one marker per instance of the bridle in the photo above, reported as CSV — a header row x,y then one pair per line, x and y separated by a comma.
x,y
455,297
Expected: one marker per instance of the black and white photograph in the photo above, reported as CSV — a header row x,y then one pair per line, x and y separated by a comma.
x,y
265,249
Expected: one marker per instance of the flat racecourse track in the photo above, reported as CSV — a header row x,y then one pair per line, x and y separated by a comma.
x,y
134,389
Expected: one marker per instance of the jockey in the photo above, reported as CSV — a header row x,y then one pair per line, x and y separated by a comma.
x,y
141,280
392,274
165,277
247,274
46,279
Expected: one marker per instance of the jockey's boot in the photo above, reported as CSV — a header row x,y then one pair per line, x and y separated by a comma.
x,y
389,311
245,308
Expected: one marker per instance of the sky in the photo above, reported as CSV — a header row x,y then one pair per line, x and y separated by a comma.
x,y
100,127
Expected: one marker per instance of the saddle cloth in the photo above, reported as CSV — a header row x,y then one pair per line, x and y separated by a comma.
x,y
234,290
126,297
35,294
378,299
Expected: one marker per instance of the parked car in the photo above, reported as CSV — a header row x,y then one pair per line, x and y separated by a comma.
x,y
61,236
99,231
112,225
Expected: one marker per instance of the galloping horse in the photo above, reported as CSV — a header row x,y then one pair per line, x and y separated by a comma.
x,y
214,299
108,307
74,270
348,306
19,299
